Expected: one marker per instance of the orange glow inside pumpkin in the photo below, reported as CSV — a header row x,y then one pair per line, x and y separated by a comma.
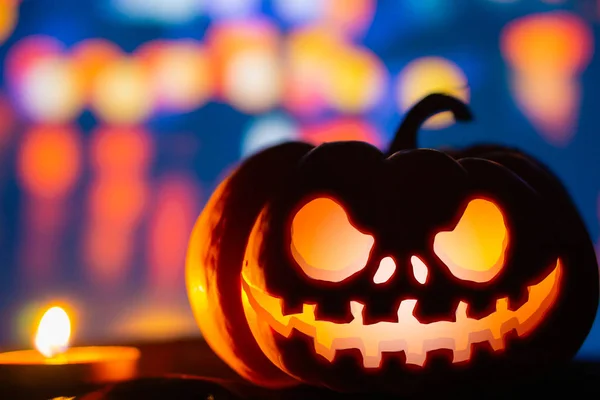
x,y
474,250
415,339
208,303
325,244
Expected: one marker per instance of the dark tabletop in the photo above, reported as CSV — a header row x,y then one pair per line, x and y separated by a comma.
x,y
187,369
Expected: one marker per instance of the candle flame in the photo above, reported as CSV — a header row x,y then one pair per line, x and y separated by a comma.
x,y
53,332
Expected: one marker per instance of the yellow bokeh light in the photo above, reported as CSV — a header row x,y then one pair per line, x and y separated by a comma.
x,y
122,93
224,40
49,160
308,67
428,75
53,333
181,73
356,81
90,57
9,14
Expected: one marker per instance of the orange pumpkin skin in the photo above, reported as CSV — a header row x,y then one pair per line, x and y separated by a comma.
x,y
214,262
240,244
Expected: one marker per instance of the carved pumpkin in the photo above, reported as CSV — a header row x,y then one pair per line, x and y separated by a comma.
x,y
342,266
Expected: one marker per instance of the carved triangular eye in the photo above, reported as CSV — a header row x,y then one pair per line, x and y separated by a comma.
x,y
475,249
325,244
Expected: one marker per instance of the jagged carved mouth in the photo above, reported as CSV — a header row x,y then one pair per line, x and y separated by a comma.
x,y
408,335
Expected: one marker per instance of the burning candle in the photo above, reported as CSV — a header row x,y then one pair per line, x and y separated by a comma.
x,y
55,364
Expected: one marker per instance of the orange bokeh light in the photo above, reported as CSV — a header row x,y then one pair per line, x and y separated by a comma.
x,y
121,152
550,104
342,129
350,17
9,14
119,203
175,208
227,38
555,41
90,57
108,254
49,160
547,52
181,73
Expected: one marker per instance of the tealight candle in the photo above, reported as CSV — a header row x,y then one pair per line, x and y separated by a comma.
x,y
55,364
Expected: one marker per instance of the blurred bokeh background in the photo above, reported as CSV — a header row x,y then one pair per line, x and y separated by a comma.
x,y
119,117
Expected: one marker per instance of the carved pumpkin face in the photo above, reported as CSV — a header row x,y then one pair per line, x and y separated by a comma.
x,y
328,248
358,269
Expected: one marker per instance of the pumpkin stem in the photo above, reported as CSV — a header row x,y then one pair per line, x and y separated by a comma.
x,y
406,135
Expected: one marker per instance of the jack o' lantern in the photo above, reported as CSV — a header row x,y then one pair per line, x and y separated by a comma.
x,y
342,266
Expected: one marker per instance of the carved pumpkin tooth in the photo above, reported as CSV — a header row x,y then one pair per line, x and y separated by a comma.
x,y
416,358
371,355
406,309
461,311
357,310
462,348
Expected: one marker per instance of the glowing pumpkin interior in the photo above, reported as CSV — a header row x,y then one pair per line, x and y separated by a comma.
x,y
327,246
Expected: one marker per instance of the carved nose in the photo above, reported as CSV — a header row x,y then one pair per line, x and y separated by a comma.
x,y
419,269
386,269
